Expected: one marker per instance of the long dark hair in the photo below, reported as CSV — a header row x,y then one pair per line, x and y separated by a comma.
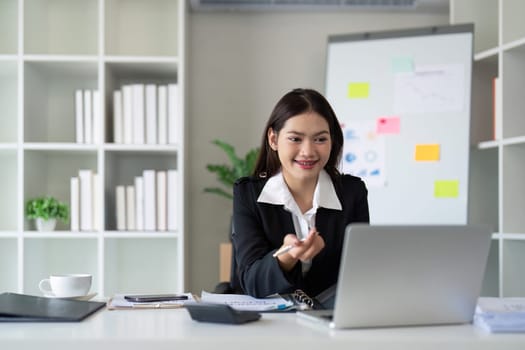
x,y
295,102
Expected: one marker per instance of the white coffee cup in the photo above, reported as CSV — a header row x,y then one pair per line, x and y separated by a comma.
x,y
66,285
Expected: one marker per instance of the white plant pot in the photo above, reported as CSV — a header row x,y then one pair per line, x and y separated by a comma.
x,y
45,225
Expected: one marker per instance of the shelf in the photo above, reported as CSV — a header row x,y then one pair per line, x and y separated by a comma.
x,y
487,55
512,20
145,234
127,270
123,167
135,28
483,184
8,101
50,98
61,27
482,118
9,207
490,286
497,166
513,261
514,188
8,27
8,257
50,49
59,146
49,172
141,148
513,85
60,234
45,256
60,58
511,236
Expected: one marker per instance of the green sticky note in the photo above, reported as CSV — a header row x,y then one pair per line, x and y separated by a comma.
x,y
402,64
446,188
358,90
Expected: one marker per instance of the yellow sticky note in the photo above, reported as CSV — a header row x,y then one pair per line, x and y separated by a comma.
x,y
358,90
427,153
446,188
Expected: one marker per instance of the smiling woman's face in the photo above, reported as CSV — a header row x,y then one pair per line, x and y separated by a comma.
x,y
303,146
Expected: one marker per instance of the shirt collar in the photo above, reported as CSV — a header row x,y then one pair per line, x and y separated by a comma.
x,y
275,191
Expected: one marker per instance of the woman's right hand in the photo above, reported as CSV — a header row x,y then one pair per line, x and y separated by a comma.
x,y
301,250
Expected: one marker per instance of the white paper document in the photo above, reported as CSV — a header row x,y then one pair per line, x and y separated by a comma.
x,y
246,302
500,315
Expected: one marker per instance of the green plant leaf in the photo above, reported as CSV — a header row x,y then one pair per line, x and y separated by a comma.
x,y
47,208
228,174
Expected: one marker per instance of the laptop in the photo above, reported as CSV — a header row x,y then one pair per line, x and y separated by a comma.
x,y
407,275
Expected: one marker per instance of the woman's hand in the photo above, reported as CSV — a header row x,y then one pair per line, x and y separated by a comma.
x,y
300,250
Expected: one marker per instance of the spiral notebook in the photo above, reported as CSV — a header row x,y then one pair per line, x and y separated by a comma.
x,y
407,275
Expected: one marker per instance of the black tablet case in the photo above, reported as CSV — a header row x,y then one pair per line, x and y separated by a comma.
x,y
27,308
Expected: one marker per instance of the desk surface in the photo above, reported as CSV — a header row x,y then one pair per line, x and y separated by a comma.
x,y
174,329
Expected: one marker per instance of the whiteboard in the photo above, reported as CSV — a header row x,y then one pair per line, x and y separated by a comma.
x,y
403,99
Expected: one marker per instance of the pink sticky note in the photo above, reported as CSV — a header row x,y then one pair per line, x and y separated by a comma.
x,y
388,125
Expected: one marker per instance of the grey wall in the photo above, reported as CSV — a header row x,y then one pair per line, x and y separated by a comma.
x,y
239,65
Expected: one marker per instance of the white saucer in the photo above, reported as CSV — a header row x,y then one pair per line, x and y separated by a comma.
x,y
80,297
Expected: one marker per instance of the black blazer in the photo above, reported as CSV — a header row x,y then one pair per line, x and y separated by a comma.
x,y
261,227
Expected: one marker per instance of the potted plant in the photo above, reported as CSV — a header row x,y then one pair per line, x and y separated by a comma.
x,y
46,211
228,174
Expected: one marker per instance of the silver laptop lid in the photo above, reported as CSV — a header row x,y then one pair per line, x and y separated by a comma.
x,y
410,275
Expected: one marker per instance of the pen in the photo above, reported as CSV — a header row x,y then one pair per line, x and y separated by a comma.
x,y
285,249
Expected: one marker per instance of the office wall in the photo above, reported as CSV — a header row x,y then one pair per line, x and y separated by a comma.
x,y
239,64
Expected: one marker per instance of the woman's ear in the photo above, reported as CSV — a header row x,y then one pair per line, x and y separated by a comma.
x,y
272,139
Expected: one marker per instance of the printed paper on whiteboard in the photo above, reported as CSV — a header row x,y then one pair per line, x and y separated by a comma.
x,y
364,152
436,88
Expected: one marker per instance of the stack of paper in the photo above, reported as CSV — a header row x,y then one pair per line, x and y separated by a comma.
x,y
500,315
246,302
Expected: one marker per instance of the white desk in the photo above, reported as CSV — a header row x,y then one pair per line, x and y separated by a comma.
x,y
174,329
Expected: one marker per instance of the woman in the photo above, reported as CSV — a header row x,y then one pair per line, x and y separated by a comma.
x,y
291,214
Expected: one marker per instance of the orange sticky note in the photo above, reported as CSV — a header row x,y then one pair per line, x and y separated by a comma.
x,y
358,90
428,152
446,188
388,125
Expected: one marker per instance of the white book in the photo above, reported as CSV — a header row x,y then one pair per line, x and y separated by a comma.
x,y
74,207
138,114
151,114
79,117
120,207
163,115
117,117
173,197
97,121
139,203
97,203
127,113
161,201
88,117
86,199
173,113
150,216
130,208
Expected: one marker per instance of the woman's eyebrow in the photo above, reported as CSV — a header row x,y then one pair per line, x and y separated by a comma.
x,y
303,134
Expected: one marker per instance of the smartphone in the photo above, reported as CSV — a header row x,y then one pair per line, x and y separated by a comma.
x,y
149,298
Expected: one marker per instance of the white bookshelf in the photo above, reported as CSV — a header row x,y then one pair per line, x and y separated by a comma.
x,y
497,170
49,49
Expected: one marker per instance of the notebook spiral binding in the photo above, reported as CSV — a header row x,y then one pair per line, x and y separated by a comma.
x,y
303,301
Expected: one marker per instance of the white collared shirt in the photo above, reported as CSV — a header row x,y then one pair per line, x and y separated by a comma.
x,y
275,191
